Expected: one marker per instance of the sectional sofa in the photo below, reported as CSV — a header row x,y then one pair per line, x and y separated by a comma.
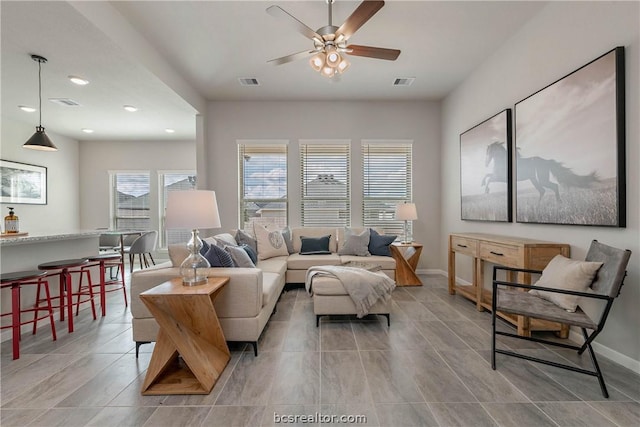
x,y
246,303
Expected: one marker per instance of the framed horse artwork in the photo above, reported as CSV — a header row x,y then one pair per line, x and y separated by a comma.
x,y
485,170
570,148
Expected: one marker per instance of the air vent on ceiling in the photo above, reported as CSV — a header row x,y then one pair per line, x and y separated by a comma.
x,y
404,81
67,102
249,82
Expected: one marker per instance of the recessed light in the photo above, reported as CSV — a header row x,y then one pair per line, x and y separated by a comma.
x,y
130,108
170,130
27,108
78,80
87,130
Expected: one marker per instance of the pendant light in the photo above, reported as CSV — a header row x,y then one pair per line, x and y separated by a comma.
x,y
40,140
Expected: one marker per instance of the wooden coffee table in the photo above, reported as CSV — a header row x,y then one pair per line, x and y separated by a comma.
x,y
189,327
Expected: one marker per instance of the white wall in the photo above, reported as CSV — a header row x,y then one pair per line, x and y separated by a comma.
x,y
561,38
228,122
62,211
97,158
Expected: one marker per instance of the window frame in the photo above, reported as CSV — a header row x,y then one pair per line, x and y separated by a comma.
x,y
386,147
113,216
343,218
163,240
279,147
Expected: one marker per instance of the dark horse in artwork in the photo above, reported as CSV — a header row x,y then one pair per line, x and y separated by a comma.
x,y
497,153
534,169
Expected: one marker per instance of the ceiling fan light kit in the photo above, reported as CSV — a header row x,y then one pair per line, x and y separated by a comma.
x,y
330,42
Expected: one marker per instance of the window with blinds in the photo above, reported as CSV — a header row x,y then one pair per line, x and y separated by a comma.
x,y
131,200
263,184
387,181
324,171
172,181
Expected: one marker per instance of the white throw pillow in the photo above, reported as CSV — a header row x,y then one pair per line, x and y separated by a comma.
x,y
567,274
270,242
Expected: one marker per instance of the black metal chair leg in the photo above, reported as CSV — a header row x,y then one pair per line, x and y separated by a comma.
x,y
493,329
594,361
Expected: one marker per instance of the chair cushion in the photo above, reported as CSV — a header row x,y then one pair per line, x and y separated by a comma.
x,y
276,265
355,243
567,274
526,304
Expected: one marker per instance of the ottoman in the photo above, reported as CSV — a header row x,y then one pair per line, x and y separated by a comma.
x,y
330,298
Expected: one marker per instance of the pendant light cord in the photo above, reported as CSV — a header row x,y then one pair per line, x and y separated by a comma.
x,y
40,91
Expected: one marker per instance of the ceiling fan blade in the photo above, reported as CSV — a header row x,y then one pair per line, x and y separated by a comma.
x,y
278,12
292,57
373,52
358,18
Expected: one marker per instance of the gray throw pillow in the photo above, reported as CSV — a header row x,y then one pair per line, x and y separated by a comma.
x,y
355,244
286,234
239,256
244,237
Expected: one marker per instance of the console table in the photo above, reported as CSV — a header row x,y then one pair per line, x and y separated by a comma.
x,y
510,252
188,326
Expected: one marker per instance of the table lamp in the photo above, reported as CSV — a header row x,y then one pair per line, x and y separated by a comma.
x,y
191,210
406,212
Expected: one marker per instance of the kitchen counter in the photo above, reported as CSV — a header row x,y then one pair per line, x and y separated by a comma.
x,y
7,240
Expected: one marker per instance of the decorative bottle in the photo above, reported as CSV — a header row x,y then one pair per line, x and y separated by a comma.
x,y
11,224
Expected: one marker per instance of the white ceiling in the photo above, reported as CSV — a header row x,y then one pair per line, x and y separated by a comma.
x,y
169,57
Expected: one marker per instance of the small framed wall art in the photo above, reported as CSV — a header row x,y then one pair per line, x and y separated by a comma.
x,y
23,183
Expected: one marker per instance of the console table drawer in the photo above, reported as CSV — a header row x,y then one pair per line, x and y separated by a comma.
x,y
464,246
496,253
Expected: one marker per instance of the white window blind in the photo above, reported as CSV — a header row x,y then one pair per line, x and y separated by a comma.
x,y
326,191
131,200
263,184
172,181
387,181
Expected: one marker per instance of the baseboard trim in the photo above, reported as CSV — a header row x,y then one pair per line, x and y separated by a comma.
x,y
431,271
609,353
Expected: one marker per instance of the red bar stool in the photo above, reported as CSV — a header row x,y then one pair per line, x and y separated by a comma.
x,y
105,261
64,268
15,281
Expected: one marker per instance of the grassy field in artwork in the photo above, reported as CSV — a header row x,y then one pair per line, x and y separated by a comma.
x,y
485,207
593,206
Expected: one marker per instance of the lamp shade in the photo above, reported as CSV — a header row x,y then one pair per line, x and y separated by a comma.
x,y
406,212
190,209
40,141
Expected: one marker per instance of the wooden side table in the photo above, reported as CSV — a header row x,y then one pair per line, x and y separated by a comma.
x,y
406,263
189,326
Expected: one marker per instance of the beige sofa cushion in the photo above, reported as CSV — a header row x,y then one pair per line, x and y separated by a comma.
x,y
270,286
303,262
386,262
297,232
273,265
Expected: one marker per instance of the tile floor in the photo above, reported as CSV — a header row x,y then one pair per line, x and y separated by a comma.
x,y
429,369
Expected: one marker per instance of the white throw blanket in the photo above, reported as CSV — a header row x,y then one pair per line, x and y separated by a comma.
x,y
364,287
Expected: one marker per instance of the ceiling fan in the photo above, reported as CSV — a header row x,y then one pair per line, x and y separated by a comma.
x,y
330,42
